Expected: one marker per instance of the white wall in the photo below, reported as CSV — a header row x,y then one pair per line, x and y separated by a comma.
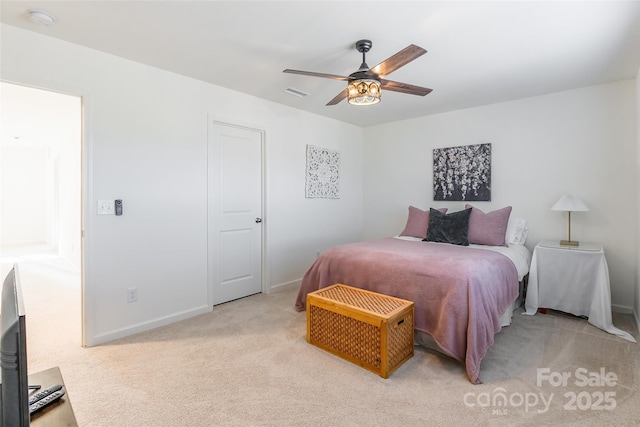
x,y
579,142
145,141
68,178
637,260
25,169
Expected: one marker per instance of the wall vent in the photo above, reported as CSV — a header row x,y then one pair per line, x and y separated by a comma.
x,y
296,92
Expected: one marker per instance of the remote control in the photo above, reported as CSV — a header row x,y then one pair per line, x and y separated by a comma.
x,y
45,401
44,393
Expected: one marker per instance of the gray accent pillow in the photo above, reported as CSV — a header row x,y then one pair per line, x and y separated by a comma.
x,y
448,228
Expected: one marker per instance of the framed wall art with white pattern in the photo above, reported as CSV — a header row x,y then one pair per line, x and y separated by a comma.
x,y
323,173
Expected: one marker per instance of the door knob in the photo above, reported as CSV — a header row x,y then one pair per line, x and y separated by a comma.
x,y
258,220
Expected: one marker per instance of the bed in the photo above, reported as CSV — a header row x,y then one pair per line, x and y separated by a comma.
x,y
463,294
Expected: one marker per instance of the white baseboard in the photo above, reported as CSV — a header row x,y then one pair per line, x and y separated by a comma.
x,y
145,326
621,309
286,286
153,324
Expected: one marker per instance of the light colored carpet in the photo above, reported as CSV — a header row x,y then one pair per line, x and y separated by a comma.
x,y
247,364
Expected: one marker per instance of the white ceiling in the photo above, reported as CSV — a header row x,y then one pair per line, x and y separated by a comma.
x,y
479,52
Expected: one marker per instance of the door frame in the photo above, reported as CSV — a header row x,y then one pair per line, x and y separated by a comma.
x,y
213,119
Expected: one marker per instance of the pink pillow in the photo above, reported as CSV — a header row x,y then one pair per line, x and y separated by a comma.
x,y
418,222
488,228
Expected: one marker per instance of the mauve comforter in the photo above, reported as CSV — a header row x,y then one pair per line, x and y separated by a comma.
x,y
459,292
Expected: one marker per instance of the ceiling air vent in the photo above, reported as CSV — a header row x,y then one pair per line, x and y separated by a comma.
x,y
296,92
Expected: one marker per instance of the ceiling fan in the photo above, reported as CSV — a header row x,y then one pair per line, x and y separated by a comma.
x,y
366,84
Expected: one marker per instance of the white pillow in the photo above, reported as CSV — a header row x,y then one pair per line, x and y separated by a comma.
x,y
517,231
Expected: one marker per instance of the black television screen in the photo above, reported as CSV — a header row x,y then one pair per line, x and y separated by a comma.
x,y
14,410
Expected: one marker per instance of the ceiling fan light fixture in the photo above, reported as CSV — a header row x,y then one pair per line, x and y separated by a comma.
x,y
364,92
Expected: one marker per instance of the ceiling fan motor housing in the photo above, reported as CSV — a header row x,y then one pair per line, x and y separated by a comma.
x,y
363,46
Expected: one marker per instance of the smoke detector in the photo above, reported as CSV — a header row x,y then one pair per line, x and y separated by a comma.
x,y
41,17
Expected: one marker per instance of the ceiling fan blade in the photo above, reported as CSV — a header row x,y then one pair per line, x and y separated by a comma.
x,y
312,74
404,88
398,60
339,97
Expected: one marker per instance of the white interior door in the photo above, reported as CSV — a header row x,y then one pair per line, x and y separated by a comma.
x,y
235,212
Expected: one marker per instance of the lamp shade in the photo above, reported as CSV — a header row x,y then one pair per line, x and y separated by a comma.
x,y
569,204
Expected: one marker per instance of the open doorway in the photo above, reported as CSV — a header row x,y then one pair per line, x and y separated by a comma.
x,y
41,205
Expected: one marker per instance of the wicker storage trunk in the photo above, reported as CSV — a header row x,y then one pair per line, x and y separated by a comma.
x,y
369,329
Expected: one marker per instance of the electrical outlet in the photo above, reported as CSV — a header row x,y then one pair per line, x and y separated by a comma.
x,y
132,294
106,207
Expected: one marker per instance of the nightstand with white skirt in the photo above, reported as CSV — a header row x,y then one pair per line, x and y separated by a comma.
x,y
572,279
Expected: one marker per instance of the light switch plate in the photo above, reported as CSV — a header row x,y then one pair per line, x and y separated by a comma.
x,y
106,207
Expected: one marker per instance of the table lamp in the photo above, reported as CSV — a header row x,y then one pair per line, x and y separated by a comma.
x,y
569,204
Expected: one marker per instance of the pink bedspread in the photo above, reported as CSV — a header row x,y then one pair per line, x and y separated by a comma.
x,y
459,292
